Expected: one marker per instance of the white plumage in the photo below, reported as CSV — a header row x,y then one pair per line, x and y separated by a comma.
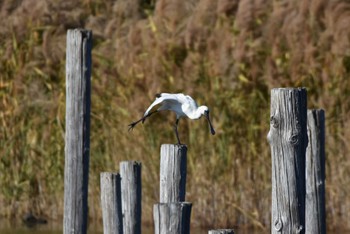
x,y
182,105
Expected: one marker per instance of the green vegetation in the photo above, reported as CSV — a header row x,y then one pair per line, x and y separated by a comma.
x,y
226,54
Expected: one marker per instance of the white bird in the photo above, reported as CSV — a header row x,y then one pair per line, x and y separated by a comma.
x,y
182,105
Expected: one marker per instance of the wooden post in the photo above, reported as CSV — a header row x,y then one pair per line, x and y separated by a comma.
x,y
172,218
315,217
111,203
130,172
77,140
288,141
222,231
173,165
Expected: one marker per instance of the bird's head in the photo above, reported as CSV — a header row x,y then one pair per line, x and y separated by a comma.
x,y
204,110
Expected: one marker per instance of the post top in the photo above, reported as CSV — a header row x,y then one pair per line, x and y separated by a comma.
x,y
184,203
289,89
137,163
174,146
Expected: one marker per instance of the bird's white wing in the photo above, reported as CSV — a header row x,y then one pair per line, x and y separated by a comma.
x,y
167,101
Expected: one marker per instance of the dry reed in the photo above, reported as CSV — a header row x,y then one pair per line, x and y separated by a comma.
x,y
227,54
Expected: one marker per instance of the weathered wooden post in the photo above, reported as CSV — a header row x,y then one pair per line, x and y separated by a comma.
x,y
288,141
111,203
172,218
172,215
173,165
222,231
130,172
315,211
77,140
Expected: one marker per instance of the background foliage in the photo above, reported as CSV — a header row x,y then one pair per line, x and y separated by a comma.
x,y
227,54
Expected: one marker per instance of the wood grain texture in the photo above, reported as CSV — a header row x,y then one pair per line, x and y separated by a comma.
x,y
130,172
315,204
221,231
288,141
111,203
172,218
173,166
77,138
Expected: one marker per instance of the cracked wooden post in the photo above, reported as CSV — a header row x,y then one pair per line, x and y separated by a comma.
x,y
315,204
77,139
288,141
130,172
172,217
111,203
173,166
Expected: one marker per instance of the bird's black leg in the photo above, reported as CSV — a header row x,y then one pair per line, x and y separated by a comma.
x,y
133,124
148,115
177,134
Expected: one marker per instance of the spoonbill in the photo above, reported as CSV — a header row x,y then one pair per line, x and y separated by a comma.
x,y
182,105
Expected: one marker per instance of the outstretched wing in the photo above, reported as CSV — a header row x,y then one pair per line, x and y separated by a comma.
x,y
166,100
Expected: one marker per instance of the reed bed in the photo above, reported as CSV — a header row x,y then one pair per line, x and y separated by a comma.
x,y
226,54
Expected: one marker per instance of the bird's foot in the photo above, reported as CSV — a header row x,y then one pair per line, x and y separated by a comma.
x,y
131,126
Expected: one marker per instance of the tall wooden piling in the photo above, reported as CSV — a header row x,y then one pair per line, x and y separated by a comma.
x,y
172,218
130,172
173,166
288,141
111,203
315,207
77,139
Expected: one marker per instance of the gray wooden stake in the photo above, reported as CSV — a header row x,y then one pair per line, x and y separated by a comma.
x,y
221,231
288,141
315,204
173,167
130,172
172,218
77,140
111,203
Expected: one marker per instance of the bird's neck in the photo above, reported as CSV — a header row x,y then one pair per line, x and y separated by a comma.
x,y
195,114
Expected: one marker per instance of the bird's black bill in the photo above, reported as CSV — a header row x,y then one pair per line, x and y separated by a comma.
x,y
212,131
